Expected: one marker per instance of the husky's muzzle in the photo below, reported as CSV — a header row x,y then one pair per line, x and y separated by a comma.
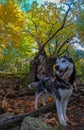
x,y
60,72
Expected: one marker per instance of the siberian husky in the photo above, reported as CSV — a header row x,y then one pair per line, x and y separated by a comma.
x,y
61,86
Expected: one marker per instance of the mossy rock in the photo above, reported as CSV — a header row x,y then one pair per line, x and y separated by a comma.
x,y
30,123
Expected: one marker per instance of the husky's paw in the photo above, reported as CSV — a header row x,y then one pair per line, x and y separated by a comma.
x,y
63,122
66,118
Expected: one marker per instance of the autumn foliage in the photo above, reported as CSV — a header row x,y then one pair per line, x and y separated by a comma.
x,y
51,27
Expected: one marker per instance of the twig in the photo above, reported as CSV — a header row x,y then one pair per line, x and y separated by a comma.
x,y
66,41
5,97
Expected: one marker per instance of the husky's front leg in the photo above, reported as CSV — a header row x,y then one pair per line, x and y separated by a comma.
x,y
37,95
60,112
44,97
64,105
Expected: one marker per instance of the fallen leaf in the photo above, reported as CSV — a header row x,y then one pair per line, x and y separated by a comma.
x,y
51,121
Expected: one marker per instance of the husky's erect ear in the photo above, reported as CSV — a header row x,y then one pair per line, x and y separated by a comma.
x,y
68,55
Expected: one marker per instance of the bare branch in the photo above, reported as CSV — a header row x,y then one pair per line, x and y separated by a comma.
x,y
64,21
55,50
64,50
66,41
49,36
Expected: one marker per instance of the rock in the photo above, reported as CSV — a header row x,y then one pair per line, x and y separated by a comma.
x,y
30,123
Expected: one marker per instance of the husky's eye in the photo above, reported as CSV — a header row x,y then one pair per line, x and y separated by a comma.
x,y
63,61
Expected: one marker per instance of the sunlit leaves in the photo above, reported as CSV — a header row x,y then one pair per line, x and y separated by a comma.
x,y
44,21
23,34
11,24
78,16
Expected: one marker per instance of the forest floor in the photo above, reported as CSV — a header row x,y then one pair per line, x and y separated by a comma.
x,y
25,103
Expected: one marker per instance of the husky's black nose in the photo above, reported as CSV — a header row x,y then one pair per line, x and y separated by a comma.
x,y
57,67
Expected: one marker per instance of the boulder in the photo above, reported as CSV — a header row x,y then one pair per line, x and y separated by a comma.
x,y
31,123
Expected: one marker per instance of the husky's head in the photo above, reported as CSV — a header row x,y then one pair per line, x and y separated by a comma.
x,y
65,67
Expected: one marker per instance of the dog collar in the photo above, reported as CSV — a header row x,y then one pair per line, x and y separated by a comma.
x,y
67,85
54,79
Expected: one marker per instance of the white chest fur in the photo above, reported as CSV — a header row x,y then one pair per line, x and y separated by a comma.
x,y
65,93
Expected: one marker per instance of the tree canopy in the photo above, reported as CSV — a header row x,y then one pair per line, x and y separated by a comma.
x,y
51,27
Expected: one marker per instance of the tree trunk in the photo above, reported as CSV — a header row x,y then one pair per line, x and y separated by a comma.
x,y
35,64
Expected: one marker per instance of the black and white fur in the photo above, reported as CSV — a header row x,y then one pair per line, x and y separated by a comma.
x,y
61,87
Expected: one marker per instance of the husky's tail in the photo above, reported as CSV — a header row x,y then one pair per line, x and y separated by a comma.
x,y
40,83
33,84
